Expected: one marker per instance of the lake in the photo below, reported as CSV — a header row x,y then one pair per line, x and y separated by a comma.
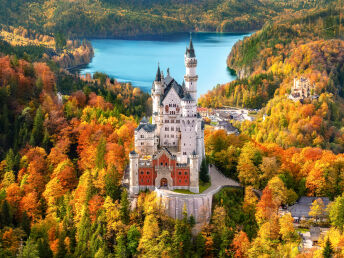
x,y
136,61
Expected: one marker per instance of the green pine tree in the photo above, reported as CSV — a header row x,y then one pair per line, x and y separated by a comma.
x,y
10,160
133,238
182,237
204,172
101,149
37,130
46,143
328,250
30,250
124,209
44,248
120,248
61,250
83,235
5,215
112,186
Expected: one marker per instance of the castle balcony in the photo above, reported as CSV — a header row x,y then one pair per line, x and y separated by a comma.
x,y
191,62
189,78
157,168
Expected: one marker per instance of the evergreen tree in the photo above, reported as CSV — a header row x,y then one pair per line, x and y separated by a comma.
x,y
200,245
101,149
30,250
46,143
133,238
204,171
97,241
37,130
25,223
328,250
5,215
61,250
44,248
83,235
124,210
182,237
10,160
112,186
120,248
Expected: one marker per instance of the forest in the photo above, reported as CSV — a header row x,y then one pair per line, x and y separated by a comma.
x,y
65,140
123,19
272,58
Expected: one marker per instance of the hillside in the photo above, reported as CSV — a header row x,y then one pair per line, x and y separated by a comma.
x,y
112,18
27,43
306,45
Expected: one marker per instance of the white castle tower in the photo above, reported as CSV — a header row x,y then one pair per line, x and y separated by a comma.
x,y
168,152
191,77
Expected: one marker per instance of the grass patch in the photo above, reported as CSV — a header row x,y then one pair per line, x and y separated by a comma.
x,y
302,230
202,187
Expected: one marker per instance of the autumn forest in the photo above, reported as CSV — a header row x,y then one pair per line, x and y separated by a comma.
x,y
65,139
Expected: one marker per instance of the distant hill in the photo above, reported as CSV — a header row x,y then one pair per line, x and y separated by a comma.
x,y
120,18
308,45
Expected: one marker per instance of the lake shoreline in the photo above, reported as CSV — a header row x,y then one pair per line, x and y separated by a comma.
x,y
158,37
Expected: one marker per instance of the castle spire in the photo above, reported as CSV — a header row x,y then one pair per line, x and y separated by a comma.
x,y
191,45
158,74
190,52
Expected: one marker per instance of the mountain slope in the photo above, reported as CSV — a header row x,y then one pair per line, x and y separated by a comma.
x,y
112,18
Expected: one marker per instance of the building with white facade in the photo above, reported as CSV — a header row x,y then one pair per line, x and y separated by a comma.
x,y
302,89
168,152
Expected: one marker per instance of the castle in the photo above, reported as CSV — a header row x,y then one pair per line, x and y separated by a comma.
x,y
169,150
301,89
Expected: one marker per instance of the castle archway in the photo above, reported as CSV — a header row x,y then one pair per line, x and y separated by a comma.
x,y
163,182
163,178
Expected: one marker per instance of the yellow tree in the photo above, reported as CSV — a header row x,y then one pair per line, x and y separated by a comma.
x,y
278,189
287,230
317,209
150,234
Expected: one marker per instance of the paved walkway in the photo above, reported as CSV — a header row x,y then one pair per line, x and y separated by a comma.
x,y
217,179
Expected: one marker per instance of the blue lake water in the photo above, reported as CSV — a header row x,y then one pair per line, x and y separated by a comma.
x,y
136,61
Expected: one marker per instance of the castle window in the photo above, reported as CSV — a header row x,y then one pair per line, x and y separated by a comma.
x,y
186,181
172,128
166,128
179,172
166,164
172,136
166,121
147,180
186,173
180,181
142,136
161,164
141,180
147,172
141,172
142,143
